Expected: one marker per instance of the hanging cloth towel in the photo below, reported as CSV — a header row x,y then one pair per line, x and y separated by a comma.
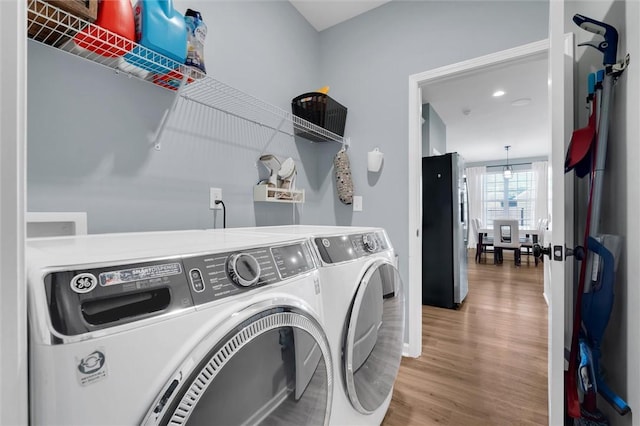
x,y
344,184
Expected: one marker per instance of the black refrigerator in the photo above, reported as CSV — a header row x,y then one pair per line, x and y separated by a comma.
x,y
444,231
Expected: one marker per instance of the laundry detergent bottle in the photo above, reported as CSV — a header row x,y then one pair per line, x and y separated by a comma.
x,y
115,16
196,33
160,28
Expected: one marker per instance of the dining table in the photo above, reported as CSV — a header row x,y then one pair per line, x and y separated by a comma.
x,y
528,237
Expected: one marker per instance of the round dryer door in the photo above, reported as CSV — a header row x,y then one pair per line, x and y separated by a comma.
x,y
272,369
373,341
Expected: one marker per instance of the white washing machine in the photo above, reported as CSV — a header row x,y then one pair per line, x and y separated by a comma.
x,y
364,316
198,327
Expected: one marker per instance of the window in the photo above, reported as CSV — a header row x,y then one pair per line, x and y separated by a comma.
x,y
513,198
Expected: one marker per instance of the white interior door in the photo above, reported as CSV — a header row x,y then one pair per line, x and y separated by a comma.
x,y
559,289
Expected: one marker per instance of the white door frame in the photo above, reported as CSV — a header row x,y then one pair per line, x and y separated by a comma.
x,y
560,287
415,168
414,344
13,291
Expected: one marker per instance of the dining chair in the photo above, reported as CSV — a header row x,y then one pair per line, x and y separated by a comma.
x,y
484,247
506,236
528,242
526,246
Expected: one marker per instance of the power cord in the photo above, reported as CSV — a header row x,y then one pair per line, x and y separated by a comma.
x,y
224,213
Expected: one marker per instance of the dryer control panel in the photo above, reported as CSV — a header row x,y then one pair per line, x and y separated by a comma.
x,y
343,248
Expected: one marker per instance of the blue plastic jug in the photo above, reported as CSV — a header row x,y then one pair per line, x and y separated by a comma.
x,y
159,27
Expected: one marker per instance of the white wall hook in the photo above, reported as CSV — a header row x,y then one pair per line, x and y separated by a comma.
x,y
374,160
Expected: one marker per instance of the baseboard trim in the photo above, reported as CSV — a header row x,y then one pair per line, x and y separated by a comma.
x,y
406,352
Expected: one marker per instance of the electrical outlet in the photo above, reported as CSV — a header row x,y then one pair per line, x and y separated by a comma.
x,y
357,203
214,195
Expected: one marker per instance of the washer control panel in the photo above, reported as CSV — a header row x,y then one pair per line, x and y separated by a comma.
x,y
343,248
85,299
220,275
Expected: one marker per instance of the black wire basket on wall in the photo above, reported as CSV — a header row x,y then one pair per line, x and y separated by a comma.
x,y
321,110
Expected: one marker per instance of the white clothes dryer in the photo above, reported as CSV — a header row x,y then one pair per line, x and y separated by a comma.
x,y
364,309
197,327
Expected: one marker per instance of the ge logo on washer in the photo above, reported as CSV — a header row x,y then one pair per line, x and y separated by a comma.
x,y
326,242
83,283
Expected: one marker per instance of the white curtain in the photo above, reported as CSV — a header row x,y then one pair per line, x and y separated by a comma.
x,y
475,180
541,176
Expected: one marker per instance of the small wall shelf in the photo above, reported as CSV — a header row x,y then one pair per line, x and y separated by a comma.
x,y
52,26
277,195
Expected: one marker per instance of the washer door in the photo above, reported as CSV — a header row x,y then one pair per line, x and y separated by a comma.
x,y
373,340
271,369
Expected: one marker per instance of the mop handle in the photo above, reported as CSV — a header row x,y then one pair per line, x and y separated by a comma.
x,y
609,47
601,150
598,87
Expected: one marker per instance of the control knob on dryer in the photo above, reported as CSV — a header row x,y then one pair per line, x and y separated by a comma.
x,y
369,242
243,269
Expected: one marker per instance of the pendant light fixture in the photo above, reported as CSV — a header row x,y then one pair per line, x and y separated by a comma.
x,y
507,171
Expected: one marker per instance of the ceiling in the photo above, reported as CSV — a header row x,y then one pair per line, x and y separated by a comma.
x,y
323,14
480,125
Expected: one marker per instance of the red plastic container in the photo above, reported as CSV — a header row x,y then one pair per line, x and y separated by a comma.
x,y
171,80
115,16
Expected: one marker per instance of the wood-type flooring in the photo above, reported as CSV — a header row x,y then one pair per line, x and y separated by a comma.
x,y
484,363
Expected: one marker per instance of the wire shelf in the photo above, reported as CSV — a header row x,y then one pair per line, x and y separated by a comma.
x,y
57,28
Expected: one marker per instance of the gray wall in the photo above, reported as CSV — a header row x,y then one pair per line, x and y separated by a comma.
x,y
434,132
367,62
621,351
87,137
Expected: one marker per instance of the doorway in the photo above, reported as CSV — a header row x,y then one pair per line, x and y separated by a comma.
x,y
560,49
416,82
